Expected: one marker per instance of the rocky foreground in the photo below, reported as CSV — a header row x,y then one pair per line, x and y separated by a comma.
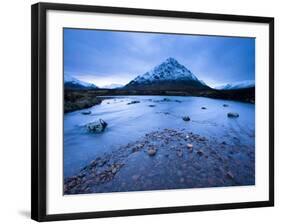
x,y
167,159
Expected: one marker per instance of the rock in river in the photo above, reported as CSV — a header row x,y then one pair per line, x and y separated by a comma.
x,y
86,112
225,105
166,100
232,114
203,108
186,118
133,102
96,126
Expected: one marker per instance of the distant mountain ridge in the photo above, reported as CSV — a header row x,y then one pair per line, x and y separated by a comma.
x,y
237,85
112,86
73,83
169,75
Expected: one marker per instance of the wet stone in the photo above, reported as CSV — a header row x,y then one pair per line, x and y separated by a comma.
x,y
135,177
180,153
186,118
232,115
151,151
200,152
230,175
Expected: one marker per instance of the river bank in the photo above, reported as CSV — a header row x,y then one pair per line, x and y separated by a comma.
x,y
81,99
167,159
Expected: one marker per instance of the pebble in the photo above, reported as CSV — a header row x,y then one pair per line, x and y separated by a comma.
x,y
200,152
114,170
180,153
135,177
230,175
151,151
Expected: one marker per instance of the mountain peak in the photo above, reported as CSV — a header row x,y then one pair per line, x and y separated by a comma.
x,y
170,69
171,60
169,73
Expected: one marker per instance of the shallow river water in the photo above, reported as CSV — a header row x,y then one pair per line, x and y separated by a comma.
x,y
128,123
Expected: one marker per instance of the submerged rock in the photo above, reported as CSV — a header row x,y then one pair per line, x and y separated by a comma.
x,y
86,112
133,102
186,118
152,105
97,126
232,114
225,105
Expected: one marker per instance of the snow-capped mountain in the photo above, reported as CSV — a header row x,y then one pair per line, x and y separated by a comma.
x,y
237,85
113,86
169,75
71,82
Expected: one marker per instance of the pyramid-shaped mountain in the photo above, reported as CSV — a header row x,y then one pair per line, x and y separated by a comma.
x,y
169,75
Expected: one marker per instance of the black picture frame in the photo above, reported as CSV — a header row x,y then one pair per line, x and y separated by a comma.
x,y
39,122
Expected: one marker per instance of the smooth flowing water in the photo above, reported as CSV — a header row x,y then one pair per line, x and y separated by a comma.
x,y
128,123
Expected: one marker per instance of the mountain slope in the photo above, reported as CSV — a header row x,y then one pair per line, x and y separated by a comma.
x,y
73,83
170,75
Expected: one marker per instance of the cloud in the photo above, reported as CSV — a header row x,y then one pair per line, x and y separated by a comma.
x,y
106,57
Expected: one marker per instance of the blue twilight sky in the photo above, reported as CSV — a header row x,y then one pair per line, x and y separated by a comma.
x,y
107,57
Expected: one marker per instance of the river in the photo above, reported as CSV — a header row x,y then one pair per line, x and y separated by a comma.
x,y
129,122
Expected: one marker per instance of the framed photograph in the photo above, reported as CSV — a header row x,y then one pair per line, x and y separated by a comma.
x,y
140,111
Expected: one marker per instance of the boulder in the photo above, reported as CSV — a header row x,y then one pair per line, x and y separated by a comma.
x,y
225,105
203,108
186,118
232,114
96,126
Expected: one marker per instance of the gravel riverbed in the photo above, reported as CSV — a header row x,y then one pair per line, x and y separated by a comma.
x,y
166,159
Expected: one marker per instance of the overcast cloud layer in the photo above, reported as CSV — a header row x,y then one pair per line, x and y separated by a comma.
x,y
106,57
